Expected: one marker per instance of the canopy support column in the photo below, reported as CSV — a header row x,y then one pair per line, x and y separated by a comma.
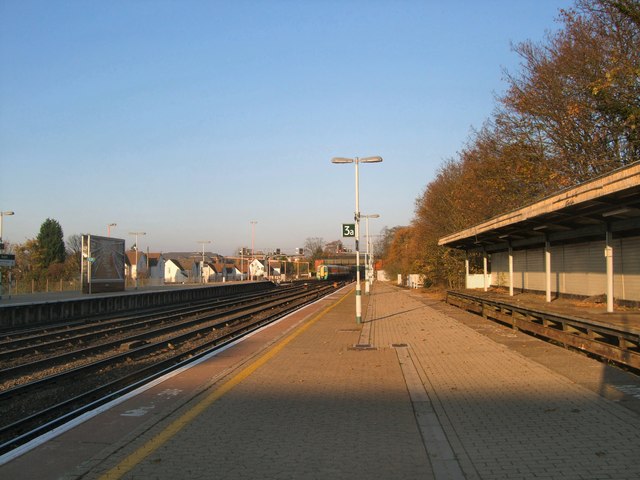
x,y
484,269
547,268
466,269
608,254
510,270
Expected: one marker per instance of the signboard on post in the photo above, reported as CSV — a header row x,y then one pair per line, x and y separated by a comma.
x,y
7,260
348,229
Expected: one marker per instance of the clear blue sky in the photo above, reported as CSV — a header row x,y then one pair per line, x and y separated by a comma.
x,y
188,119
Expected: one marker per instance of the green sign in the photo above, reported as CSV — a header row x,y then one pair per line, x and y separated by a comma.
x,y
348,229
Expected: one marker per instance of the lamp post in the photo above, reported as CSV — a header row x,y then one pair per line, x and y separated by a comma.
x,y
368,263
203,242
2,214
137,248
357,161
109,228
253,236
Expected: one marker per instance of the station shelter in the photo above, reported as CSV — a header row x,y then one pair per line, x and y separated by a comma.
x,y
581,241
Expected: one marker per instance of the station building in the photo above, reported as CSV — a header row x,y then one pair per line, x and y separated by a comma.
x,y
581,241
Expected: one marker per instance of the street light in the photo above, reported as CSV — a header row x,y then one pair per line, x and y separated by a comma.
x,y
253,235
2,214
203,242
109,228
368,268
357,161
137,248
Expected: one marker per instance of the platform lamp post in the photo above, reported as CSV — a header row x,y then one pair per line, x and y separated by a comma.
x,y
137,248
368,263
2,215
253,237
203,242
109,228
357,161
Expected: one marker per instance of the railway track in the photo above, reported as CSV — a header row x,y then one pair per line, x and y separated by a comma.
x,y
24,353
45,381
607,341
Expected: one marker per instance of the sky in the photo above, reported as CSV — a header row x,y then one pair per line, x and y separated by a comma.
x,y
189,119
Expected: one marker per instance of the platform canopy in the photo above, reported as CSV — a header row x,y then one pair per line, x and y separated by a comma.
x,y
607,203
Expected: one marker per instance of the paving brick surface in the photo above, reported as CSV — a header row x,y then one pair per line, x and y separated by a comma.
x,y
506,416
429,398
319,409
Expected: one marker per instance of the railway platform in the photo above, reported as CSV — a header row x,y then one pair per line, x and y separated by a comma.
x,y
413,392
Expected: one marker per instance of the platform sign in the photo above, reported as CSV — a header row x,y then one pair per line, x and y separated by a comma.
x,y
348,229
7,260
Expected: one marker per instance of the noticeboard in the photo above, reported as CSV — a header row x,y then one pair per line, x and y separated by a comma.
x,y
102,264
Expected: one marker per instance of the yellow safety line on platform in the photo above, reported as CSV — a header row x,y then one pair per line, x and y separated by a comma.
x,y
177,425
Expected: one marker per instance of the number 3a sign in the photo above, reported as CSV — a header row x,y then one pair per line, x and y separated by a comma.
x,y
348,229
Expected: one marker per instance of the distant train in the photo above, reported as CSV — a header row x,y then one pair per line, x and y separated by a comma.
x,y
338,272
333,272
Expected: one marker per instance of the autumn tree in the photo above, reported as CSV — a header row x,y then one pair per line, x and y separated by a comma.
x,y
383,242
28,260
577,97
569,114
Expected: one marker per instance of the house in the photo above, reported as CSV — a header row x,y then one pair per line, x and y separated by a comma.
x,y
156,264
175,272
275,269
133,270
226,272
256,268
234,273
209,271
183,267
334,247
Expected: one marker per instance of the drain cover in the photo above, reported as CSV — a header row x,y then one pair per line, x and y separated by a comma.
x,y
362,346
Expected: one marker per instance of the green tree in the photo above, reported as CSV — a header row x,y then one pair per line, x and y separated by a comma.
x,y
51,244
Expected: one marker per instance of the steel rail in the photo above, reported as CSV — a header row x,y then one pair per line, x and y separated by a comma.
x,y
120,325
198,319
52,335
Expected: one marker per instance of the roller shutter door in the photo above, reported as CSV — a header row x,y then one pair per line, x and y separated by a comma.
x,y
519,268
597,269
626,261
500,269
575,268
534,277
557,269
